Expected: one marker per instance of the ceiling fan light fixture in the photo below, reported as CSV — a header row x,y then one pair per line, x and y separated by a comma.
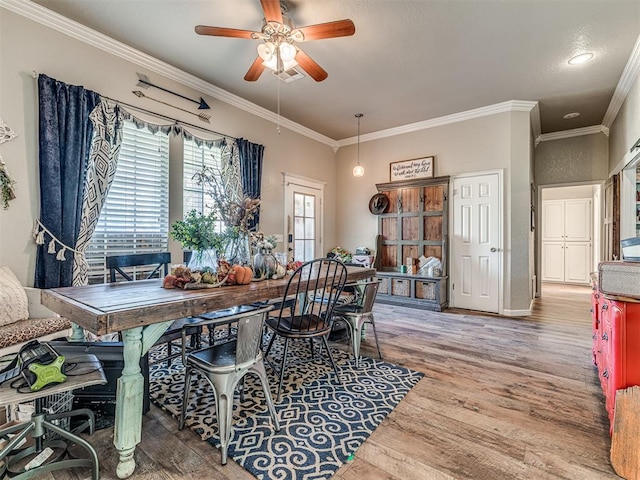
x,y
266,51
273,64
278,50
581,58
287,52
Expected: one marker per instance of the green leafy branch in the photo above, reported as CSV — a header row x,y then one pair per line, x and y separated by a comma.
x,y
198,232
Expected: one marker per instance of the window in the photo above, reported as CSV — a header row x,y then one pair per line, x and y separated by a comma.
x,y
304,226
135,216
196,158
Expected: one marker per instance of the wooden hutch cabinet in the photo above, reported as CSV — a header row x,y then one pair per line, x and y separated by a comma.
x,y
414,224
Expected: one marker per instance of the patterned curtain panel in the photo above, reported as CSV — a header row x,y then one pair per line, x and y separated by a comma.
x,y
107,119
250,156
65,137
231,175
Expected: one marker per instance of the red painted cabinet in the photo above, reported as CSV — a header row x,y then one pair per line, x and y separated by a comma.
x,y
616,344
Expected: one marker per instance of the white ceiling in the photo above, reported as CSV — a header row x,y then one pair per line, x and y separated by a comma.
x,y
409,60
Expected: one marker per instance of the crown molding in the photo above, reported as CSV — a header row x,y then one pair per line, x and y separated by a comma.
x,y
628,77
576,132
89,36
510,106
536,128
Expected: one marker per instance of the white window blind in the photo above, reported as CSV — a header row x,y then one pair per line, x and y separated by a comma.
x,y
135,217
195,159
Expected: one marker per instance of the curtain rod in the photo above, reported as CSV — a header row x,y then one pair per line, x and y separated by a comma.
x,y
175,120
35,74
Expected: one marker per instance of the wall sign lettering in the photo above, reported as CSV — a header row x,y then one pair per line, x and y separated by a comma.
x,y
410,169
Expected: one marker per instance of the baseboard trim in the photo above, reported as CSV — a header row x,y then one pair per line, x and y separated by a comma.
x,y
517,313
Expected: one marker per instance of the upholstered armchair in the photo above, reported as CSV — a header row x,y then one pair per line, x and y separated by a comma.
x,y
23,317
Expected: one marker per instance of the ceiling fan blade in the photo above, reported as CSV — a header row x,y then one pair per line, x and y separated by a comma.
x,y
272,12
223,32
255,70
339,28
309,65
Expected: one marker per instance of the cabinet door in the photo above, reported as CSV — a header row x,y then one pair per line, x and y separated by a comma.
x,y
553,261
410,200
553,220
577,258
577,220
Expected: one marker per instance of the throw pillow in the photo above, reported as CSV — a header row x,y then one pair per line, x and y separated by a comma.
x,y
14,304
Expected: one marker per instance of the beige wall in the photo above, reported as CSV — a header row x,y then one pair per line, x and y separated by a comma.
x,y
518,292
625,131
582,159
496,142
26,46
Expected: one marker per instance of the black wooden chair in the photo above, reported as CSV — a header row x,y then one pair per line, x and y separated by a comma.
x,y
158,264
306,311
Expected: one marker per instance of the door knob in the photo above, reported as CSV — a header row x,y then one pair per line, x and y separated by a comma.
x,y
494,249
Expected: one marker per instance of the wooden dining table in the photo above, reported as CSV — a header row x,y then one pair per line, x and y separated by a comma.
x,y
142,311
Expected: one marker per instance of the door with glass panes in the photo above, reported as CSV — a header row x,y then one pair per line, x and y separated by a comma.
x,y
303,217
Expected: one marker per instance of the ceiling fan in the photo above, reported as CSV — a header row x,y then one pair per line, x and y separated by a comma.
x,y
279,50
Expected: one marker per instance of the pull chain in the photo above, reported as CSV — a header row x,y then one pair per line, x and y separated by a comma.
x,y
278,97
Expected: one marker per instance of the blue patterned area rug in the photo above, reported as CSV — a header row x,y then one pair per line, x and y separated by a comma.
x,y
322,422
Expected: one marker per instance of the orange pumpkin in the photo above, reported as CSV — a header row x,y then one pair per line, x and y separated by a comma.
x,y
243,274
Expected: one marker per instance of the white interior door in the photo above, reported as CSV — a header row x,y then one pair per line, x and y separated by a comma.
x,y
566,240
477,246
303,218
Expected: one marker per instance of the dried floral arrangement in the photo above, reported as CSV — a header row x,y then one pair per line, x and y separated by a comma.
x,y
259,241
235,212
6,186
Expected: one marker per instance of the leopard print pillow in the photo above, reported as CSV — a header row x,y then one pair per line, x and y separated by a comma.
x,y
14,305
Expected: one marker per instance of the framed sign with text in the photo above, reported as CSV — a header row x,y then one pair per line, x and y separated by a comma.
x,y
410,169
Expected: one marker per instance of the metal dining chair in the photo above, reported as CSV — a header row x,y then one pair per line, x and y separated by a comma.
x,y
306,309
224,365
158,264
357,315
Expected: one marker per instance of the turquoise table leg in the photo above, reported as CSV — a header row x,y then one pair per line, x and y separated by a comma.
x,y
77,333
129,397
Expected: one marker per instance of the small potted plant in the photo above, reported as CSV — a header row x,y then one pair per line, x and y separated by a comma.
x,y
197,232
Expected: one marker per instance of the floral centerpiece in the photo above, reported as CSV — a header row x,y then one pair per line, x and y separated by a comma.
x,y
206,269
235,212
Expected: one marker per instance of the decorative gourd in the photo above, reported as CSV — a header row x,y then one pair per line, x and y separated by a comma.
x,y
243,274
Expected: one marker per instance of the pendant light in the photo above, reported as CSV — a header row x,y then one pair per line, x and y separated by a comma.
x,y
358,170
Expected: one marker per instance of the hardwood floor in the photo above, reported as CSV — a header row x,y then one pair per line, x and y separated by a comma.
x,y
502,398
